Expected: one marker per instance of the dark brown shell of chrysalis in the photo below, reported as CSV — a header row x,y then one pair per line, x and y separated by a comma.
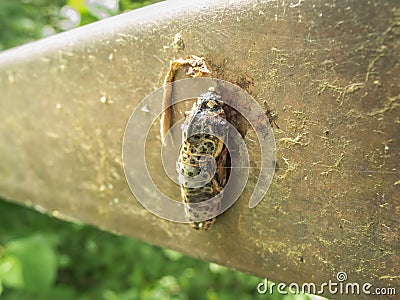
x,y
204,131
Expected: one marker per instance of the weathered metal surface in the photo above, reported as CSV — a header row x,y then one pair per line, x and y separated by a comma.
x,y
329,69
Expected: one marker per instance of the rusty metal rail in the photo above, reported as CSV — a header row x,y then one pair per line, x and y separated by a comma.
x,y
329,70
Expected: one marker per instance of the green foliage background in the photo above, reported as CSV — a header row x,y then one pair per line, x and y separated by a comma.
x,y
45,258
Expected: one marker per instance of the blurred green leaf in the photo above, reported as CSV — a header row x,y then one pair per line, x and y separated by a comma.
x,y
22,21
87,18
38,261
172,255
79,5
11,271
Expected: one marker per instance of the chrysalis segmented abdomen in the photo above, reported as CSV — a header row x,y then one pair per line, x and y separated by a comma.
x,y
204,132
